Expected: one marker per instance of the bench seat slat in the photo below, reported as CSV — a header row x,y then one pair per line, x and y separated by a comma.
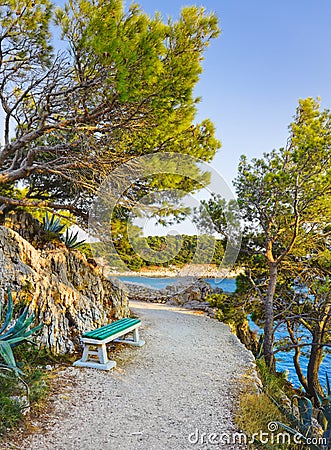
x,y
107,329
111,329
107,333
110,326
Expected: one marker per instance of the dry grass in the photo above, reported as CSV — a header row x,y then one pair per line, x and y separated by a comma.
x,y
257,412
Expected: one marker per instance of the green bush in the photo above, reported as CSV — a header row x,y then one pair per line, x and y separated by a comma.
x,y
227,310
10,410
52,224
69,238
12,388
20,382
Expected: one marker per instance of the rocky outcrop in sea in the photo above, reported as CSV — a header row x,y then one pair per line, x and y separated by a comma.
x,y
188,292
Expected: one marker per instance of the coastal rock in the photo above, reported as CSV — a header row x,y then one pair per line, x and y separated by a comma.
x,y
187,271
143,293
191,293
65,292
188,292
246,336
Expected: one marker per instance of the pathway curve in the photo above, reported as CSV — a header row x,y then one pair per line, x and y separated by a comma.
x,y
162,396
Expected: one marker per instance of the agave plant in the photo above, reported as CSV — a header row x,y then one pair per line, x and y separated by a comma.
x,y
324,416
69,238
302,425
13,332
52,224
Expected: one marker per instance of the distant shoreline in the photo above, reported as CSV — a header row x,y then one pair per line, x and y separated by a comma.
x,y
189,271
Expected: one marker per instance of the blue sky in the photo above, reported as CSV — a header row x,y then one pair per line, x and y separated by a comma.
x,y
269,54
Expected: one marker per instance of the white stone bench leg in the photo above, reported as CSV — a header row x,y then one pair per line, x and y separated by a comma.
x,y
85,353
102,363
102,353
135,341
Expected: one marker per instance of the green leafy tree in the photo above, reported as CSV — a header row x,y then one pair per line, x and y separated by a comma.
x,y
122,88
285,201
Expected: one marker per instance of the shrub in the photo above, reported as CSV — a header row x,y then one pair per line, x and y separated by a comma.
x,y
13,391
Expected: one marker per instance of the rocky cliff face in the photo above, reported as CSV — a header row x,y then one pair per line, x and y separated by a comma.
x,y
65,292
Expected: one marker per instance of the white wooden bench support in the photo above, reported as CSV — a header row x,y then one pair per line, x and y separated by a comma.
x,y
95,350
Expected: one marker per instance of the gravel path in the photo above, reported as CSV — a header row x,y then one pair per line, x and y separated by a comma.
x,y
162,396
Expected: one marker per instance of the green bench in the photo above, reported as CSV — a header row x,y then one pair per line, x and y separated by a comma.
x,y
95,341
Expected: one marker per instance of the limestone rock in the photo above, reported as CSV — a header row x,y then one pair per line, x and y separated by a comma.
x,y
66,293
248,337
188,292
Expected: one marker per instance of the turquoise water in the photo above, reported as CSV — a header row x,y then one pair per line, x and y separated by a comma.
x,y
228,285
284,360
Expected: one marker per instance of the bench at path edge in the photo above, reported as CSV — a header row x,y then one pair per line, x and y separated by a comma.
x,y
98,359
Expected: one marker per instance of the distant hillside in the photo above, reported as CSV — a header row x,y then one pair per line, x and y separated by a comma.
x,y
172,251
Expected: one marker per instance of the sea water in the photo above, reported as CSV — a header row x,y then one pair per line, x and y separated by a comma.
x,y
227,284
284,359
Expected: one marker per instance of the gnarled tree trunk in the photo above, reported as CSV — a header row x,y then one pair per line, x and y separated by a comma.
x,y
269,317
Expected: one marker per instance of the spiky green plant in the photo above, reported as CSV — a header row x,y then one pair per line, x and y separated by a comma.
x,y
324,415
13,332
302,425
52,224
69,238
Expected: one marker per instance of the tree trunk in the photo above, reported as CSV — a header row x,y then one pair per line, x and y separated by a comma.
x,y
269,318
296,357
315,360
